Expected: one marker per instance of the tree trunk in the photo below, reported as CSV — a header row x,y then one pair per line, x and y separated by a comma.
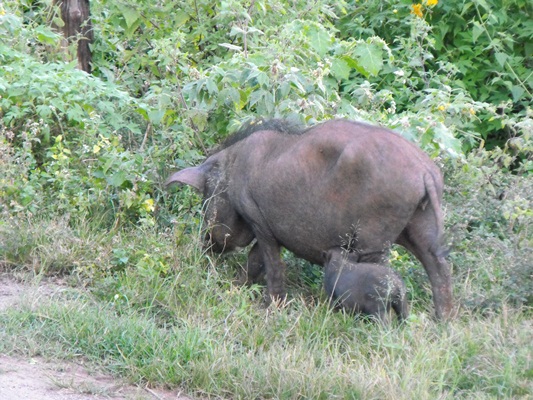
x,y
76,16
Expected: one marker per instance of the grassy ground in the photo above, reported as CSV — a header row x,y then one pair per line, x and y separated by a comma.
x,y
225,345
173,317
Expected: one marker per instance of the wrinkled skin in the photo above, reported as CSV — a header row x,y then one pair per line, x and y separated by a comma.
x,y
372,289
311,192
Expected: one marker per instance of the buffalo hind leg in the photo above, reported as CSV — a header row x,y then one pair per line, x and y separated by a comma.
x,y
423,240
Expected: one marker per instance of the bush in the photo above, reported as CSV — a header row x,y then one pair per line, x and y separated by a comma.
x,y
480,49
489,213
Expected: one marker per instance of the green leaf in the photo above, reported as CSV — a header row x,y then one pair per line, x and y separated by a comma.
x,y
131,29
117,179
243,94
252,29
501,58
199,119
211,86
46,36
517,92
269,103
320,40
340,69
283,90
256,96
232,95
107,165
295,80
16,90
444,137
75,113
236,30
231,46
369,57
477,31
181,17
484,4
130,14
156,116
57,21
262,79
43,111
142,111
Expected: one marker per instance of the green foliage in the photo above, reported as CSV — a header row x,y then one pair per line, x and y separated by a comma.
x,y
171,79
71,135
53,118
170,84
494,51
493,56
491,227
480,51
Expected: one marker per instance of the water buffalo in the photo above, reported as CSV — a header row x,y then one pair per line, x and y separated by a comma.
x,y
367,288
312,190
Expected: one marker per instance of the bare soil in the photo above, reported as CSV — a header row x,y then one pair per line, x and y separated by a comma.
x,y
40,379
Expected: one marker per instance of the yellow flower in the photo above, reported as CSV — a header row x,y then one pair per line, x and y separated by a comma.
x,y
417,10
431,3
441,108
148,205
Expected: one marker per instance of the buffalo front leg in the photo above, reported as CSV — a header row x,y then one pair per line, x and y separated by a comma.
x,y
274,269
255,267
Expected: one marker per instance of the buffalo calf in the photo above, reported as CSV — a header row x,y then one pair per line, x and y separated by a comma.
x,y
366,288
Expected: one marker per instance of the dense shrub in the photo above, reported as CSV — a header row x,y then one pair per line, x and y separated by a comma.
x,y
489,217
482,47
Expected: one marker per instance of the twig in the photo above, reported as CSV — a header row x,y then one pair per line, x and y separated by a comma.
x,y
153,393
121,353
194,127
146,133
245,30
47,317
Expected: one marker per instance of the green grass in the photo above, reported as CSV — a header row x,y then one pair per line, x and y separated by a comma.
x,y
222,343
171,316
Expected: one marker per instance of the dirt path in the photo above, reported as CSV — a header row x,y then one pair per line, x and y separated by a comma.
x,y
38,379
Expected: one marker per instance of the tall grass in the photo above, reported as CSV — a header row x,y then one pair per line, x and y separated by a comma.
x,y
222,344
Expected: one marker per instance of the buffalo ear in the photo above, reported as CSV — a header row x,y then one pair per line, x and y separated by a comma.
x,y
193,176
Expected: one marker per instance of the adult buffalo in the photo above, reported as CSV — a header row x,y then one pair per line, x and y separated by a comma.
x,y
340,183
